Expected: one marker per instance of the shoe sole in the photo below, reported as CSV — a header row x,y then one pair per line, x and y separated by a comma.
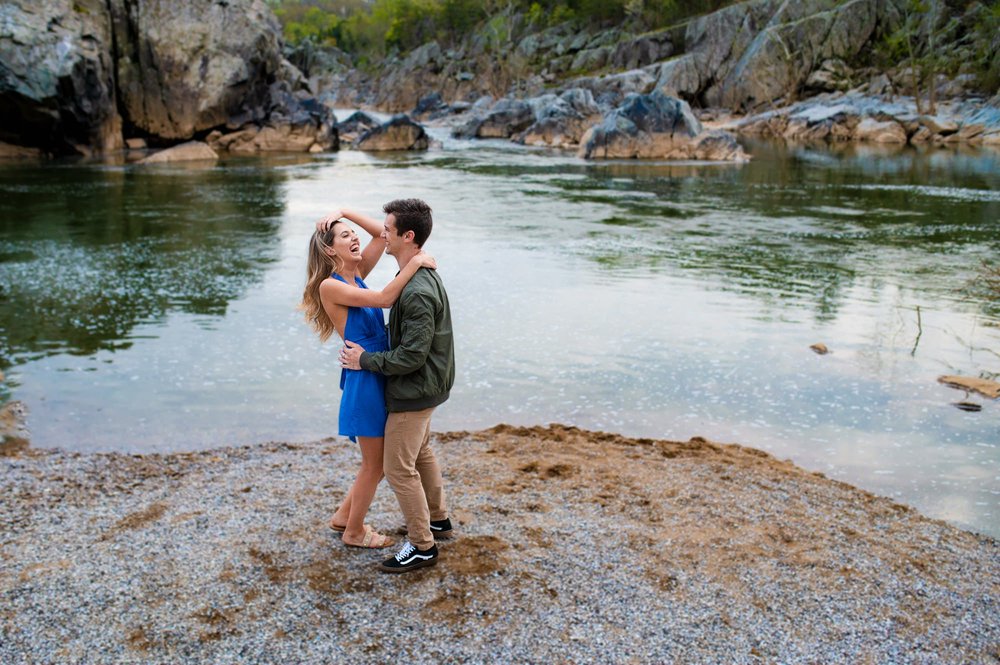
x,y
396,571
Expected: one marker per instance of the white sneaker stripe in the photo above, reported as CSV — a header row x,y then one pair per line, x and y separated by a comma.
x,y
423,557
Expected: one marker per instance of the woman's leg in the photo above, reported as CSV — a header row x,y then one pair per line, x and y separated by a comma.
x,y
363,491
339,519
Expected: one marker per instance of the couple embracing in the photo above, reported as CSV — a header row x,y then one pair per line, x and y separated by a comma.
x,y
391,382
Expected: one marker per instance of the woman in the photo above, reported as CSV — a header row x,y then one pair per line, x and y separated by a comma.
x,y
337,299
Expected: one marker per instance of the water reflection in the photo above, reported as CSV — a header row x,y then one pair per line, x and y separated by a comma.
x,y
87,253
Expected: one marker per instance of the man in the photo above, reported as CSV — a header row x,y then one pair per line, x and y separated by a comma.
x,y
420,371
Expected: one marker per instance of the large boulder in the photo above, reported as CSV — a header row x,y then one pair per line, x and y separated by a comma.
x,y
656,126
505,119
563,120
757,52
75,73
880,131
351,128
399,133
188,66
57,79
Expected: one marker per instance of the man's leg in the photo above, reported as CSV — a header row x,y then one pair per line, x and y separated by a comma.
x,y
404,438
430,477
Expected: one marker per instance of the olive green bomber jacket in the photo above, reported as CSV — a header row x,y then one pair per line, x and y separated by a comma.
x,y
420,363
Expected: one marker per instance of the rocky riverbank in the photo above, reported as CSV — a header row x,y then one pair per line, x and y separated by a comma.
x,y
573,546
92,77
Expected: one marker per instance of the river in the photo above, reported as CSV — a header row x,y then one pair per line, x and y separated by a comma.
x,y
153,309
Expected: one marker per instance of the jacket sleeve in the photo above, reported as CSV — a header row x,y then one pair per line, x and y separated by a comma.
x,y
417,318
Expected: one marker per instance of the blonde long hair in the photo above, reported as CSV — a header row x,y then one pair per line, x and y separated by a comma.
x,y
320,266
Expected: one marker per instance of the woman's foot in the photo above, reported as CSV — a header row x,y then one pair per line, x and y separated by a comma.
x,y
339,528
372,540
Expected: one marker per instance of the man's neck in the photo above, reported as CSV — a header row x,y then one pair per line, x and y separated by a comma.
x,y
405,255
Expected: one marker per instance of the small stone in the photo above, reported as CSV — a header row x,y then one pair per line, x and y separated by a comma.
x,y
820,348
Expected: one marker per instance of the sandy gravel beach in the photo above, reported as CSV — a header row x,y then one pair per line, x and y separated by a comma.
x,y
573,546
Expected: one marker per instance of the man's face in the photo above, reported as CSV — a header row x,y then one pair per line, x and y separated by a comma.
x,y
393,242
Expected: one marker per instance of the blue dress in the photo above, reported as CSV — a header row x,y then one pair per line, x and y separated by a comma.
x,y
362,406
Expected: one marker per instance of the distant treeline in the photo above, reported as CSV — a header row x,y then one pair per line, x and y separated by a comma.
x,y
376,27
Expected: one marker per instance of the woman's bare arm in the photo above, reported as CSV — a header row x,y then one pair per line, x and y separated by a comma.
x,y
335,292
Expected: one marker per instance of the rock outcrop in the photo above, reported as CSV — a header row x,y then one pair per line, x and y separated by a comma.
x,y
505,119
192,151
82,76
399,133
856,117
57,78
563,120
353,126
757,52
657,126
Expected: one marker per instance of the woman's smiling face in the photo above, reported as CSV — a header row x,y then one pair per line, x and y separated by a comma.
x,y
346,244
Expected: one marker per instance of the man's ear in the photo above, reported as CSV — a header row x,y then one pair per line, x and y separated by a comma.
x,y
409,235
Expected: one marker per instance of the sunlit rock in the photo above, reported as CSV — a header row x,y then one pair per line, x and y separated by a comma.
x,y
983,386
888,131
185,152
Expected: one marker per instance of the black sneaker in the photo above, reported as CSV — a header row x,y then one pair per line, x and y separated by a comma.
x,y
440,529
410,558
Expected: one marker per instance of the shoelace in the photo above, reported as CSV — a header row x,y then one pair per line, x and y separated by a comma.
x,y
407,550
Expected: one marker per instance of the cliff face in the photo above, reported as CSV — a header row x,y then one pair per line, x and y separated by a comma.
x,y
77,74
760,51
748,56
185,67
57,81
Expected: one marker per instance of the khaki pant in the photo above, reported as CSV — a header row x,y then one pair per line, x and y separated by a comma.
x,y
414,474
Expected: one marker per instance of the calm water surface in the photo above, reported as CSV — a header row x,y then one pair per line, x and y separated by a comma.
x,y
153,309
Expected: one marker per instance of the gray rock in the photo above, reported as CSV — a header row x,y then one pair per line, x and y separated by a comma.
x,y
782,55
656,126
191,66
399,133
563,120
353,126
591,59
937,125
57,87
171,68
504,120
832,75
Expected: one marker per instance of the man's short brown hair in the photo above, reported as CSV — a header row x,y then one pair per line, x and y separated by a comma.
x,y
411,215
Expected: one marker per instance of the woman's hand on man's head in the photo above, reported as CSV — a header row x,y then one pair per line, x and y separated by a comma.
x,y
327,221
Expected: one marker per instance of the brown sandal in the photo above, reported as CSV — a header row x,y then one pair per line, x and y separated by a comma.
x,y
373,540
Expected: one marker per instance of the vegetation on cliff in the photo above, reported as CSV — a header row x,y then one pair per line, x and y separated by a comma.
x,y
930,38
368,29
